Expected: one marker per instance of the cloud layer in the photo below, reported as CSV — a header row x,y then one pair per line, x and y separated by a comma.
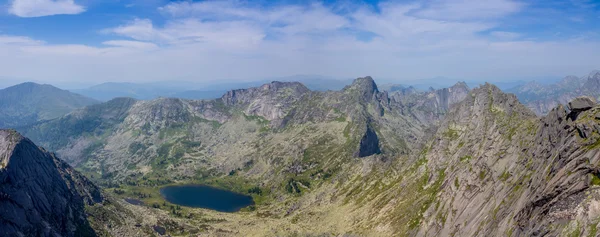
x,y
213,40
38,8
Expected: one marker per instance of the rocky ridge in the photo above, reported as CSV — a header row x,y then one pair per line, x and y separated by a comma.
x,y
41,195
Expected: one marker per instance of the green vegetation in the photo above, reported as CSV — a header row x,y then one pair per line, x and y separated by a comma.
x,y
482,175
594,179
505,175
593,229
296,186
451,134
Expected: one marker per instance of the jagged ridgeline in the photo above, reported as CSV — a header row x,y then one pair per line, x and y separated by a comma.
x,y
357,161
278,130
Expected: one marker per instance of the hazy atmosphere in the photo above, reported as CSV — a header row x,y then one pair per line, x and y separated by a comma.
x,y
79,43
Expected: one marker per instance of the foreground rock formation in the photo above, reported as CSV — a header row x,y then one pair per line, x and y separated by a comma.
x,y
41,195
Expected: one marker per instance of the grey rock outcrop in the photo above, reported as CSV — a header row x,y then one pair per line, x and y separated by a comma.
x,y
270,101
508,173
582,103
41,195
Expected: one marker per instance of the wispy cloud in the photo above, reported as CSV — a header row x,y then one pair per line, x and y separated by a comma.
x,y
468,9
38,8
130,44
18,40
505,35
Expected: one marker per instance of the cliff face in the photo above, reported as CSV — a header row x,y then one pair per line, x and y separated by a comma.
x,y
270,101
41,195
508,173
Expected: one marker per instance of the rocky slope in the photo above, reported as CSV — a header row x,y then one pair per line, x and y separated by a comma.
x,y
507,173
28,103
543,98
41,195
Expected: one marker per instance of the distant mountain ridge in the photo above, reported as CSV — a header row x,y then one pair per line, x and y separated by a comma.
x,y
191,90
542,98
30,102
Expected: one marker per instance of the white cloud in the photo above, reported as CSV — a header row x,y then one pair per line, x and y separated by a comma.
x,y
38,8
227,34
130,44
18,40
505,35
469,9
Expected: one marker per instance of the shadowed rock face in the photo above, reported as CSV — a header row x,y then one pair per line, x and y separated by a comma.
x,y
41,195
369,144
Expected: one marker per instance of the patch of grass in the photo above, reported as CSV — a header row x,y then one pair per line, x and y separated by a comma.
x,y
214,124
505,175
594,180
466,158
594,146
482,175
341,119
259,119
451,134
576,232
593,230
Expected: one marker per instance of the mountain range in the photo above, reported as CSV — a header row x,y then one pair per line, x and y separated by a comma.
x,y
196,91
357,161
541,98
27,103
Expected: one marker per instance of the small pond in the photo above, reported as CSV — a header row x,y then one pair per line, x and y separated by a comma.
x,y
206,197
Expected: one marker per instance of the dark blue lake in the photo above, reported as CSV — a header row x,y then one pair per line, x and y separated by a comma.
x,y
206,197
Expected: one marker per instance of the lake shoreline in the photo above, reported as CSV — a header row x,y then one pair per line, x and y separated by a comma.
x,y
207,197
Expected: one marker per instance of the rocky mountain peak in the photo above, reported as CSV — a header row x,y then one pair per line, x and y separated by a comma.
x,y
461,85
270,101
8,140
41,195
365,86
593,81
489,99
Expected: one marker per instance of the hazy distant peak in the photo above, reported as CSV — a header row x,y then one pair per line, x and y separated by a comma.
x,y
282,84
460,85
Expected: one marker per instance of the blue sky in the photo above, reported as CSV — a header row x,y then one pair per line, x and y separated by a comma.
x,y
92,41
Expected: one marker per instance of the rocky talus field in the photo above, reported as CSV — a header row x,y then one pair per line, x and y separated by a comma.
x,y
355,162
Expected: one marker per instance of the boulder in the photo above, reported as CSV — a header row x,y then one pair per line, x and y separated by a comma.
x,y
582,103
